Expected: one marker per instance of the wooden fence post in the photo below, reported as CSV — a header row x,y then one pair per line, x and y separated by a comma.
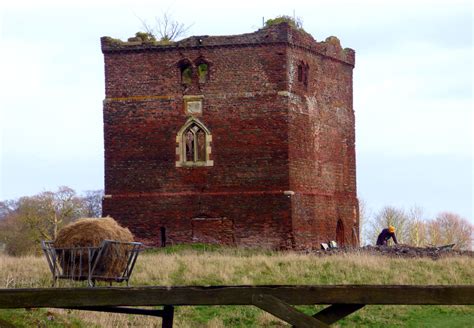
x,y
168,314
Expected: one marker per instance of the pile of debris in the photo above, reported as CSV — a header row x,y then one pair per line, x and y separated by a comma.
x,y
411,251
398,251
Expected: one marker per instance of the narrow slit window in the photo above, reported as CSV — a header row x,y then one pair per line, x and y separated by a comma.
x,y
303,72
163,236
300,73
305,75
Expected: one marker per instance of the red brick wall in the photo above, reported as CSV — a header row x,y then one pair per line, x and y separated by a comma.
x,y
322,148
257,219
266,138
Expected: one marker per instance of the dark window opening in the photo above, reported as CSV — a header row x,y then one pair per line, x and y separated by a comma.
x,y
300,73
305,75
186,74
340,233
163,236
203,70
303,70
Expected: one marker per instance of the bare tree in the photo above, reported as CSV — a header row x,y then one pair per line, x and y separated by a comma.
x,y
6,208
390,216
26,221
417,233
166,29
48,211
450,228
92,203
30,219
364,222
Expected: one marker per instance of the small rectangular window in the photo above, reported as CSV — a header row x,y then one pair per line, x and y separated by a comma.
x,y
300,73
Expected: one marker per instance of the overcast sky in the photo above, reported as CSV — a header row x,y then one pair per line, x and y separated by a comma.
x,y
412,89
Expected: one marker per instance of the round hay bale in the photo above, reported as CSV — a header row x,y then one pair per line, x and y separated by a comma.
x,y
75,239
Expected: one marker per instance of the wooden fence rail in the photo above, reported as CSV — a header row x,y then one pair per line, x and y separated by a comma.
x,y
277,300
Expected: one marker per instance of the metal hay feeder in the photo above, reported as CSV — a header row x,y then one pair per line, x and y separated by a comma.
x,y
112,261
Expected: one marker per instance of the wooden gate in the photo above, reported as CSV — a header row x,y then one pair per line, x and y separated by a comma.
x,y
277,300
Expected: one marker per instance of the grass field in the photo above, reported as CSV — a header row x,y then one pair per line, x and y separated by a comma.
x,y
204,265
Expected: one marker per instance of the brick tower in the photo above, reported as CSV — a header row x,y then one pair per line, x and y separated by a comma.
x,y
243,140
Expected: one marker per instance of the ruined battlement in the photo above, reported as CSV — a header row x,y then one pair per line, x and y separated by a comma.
x,y
282,33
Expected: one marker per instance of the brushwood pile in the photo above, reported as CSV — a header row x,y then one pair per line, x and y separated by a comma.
x,y
398,251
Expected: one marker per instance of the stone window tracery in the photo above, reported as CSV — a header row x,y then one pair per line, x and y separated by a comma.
x,y
194,144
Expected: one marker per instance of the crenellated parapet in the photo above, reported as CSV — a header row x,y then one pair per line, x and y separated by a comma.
x,y
282,33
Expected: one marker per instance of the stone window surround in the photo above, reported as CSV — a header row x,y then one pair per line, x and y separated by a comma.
x,y
181,145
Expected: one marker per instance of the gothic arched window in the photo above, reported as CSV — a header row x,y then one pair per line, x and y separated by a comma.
x,y
194,144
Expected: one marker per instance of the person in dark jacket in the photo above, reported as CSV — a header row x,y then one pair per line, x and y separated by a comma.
x,y
385,235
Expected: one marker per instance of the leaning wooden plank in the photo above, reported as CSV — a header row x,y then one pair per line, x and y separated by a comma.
x,y
285,312
336,312
236,295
